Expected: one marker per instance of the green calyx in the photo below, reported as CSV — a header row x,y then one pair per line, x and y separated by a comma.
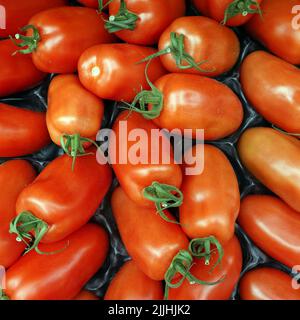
x,y
243,7
3,296
123,20
72,144
181,265
164,196
286,133
30,42
177,50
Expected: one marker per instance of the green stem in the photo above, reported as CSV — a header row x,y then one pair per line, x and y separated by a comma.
x,y
3,296
102,6
243,7
164,196
31,42
123,20
177,50
286,133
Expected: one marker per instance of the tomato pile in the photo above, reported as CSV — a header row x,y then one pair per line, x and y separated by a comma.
x,y
73,227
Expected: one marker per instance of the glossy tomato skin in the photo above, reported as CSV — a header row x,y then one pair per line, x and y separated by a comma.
x,y
211,199
267,284
63,198
154,16
22,131
17,72
65,33
72,109
196,102
19,12
269,155
215,9
112,71
276,31
58,276
91,3
231,267
272,89
15,175
273,226
205,40
130,283
133,176
151,241
86,295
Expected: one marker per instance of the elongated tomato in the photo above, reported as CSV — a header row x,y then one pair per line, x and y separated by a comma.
x,y
211,199
112,71
15,175
17,72
273,226
137,161
150,241
273,89
195,102
57,37
58,276
230,268
130,283
278,29
22,131
72,109
86,295
64,199
274,159
267,284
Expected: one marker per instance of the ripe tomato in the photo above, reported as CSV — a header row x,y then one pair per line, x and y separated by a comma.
x,y
273,226
146,20
18,12
17,72
195,102
86,295
72,109
273,158
112,71
267,284
215,47
15,175
91,3
230,12
276,30
150,241
134,171
211,199
130,283
58,276
230,267
22,131
60,200
61,35
272,89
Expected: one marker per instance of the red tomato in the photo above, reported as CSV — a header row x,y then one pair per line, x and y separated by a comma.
x,y
86,295
151,241
150,19
135,174
18,12
17,72
272,89
58,276
267,284
72,109
15,175
63,200
132,284
273,158
211,199
231,12
195,102
112,71
230,267
273,226
92,3
276,30
62,35
205,40
22,131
